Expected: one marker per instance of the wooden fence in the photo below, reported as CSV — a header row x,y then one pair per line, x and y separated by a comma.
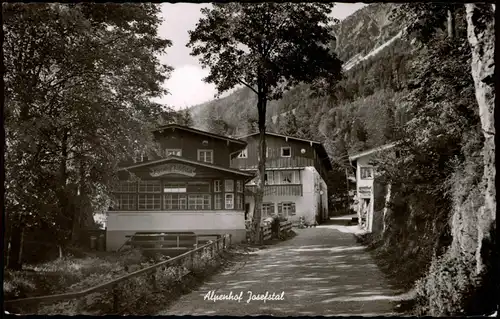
x,y
213,248
285,227
265,232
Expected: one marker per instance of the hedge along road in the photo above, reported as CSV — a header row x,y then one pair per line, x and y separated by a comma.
x,y
322,271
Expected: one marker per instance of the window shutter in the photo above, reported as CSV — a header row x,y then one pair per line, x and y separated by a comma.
x,y
293,209
280,208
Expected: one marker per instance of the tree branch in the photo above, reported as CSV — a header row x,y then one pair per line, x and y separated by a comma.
x,y
248,86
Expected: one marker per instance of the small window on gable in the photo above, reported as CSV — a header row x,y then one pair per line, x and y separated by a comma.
x,y
170,151
243,154
206,156
286,152
140,156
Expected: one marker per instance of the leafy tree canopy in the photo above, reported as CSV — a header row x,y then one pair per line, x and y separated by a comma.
x,y
266,46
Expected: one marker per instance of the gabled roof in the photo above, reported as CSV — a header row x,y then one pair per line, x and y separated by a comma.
x,y
196,131
171,158
280,135
320,149
371,151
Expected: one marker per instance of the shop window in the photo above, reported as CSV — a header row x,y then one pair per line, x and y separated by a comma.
x,y
199,201
229,201
218,201
175,201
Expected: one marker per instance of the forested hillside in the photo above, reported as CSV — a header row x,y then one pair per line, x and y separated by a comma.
x,y
410,83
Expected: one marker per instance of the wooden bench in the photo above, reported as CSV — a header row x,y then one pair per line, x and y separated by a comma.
x,y
166,243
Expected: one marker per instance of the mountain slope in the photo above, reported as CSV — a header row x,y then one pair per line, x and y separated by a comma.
x,y
359,38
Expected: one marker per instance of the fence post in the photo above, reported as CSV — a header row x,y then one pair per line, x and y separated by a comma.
x,y
153,280
191,256
115,298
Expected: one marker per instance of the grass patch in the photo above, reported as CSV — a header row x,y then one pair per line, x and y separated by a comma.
x,y
141,295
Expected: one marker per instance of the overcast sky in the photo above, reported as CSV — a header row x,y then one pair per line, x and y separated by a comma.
x,y
185,85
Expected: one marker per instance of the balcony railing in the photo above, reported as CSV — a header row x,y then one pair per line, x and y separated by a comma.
x,y
279,162
277,190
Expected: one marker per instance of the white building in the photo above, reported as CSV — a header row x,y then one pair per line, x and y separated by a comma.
x,y
295,177
365,176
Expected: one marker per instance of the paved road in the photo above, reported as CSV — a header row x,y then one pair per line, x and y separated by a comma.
x,y
321,271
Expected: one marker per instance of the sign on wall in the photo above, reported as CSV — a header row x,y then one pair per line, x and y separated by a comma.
x,y
365,192
173,169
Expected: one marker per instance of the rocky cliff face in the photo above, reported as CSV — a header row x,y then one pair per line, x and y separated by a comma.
x,y
481,35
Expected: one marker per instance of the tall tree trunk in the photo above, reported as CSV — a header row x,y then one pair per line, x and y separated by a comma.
x,y
16,245
63,194
80,208
259,193
481,36
451,24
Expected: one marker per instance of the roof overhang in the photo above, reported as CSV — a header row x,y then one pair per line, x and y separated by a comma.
x,y
173,158
354,157
318,146
237,142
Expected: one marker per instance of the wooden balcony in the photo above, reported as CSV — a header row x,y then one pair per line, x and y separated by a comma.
x,y
277,162
277,190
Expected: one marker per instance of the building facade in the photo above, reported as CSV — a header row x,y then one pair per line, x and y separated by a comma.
x,y
188,186
295,177
365,185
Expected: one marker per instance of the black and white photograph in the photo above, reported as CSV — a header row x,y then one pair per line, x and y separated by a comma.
x,y
249,158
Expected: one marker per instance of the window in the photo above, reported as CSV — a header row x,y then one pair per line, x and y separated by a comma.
x,y
229,185
218,201
149,195
149,202
217,186
198,187
229,201
281,177
174,187
269,178
366,172
175,201
239,201
206,156
171,151
243,154
286,209
267,209
126,201
141,157
199,201
239,186
126,187
149,186
286,152
286,177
